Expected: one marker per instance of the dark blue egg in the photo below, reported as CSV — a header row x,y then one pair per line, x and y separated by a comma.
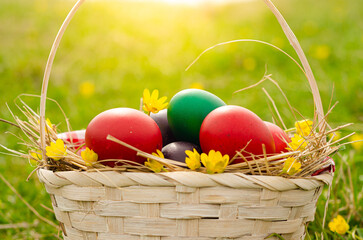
x,y
161,119
176,150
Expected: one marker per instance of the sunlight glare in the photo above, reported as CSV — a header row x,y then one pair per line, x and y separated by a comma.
x,y
198,2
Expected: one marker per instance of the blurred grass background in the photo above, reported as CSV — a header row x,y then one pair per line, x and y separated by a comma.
x,y
120,48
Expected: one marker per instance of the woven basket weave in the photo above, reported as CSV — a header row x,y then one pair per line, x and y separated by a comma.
x,y
181,205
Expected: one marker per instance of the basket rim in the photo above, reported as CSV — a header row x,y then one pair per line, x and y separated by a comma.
x,y
190,179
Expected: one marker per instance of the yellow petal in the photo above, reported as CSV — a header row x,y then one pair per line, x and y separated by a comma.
x,y
152,103
291,166
155,166
189,153
162,100
218,155
155,94
163,106
335,135
35,157
211,154
49,123
297,143
89,156
226,160
145,108
204,159
158,154
304,127
146,95
192,163
193,159
56,150
214,162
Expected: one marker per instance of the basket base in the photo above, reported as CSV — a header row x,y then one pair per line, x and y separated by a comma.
x,y
126,208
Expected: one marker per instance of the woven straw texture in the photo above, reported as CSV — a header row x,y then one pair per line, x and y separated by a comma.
x,y
181,205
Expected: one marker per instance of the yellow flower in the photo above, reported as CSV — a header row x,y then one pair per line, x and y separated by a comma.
x,y
35,157
339,225
87,89
56,150
197,85
193,159
152,103
89,156
297,143
322,52
357,145
214,161
304,127
154,165
291,166
49,125
335,135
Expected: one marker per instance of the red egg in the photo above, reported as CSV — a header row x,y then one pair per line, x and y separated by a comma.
x,y
279,136
128,125
230,128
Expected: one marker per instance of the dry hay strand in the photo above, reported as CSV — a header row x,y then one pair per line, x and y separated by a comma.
x,y
312,158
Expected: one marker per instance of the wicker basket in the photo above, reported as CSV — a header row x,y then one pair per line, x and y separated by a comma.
x,y
180,205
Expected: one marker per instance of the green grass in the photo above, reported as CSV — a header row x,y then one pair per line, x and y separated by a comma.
x,y
125,47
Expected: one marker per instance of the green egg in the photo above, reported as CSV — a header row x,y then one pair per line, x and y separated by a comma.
x,y
187,110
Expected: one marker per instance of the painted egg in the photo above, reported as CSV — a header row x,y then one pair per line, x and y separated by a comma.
x,y
187,110
128,125
329,166
176,150
74,139
161,119
279,136
231,128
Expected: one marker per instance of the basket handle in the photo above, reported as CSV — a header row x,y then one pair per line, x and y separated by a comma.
x,y
285,27
48,68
